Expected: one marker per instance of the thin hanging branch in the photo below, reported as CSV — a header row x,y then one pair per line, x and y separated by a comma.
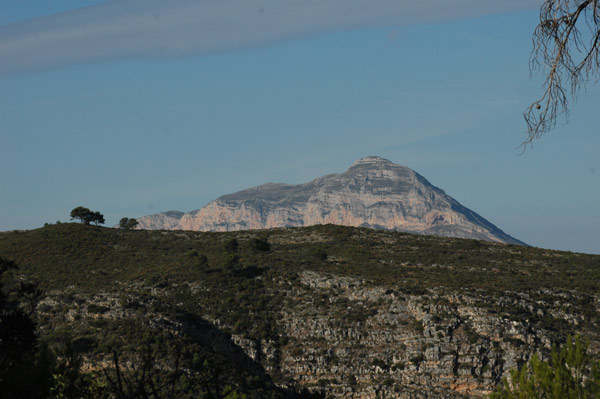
x,y
566,44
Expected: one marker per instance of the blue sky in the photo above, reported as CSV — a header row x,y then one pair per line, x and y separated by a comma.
x,y
171,117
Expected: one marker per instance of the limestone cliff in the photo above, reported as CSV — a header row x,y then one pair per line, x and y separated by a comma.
x,y
160,221
373,192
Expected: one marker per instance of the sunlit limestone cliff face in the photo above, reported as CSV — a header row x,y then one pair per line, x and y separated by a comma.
x,y
373,192
160,221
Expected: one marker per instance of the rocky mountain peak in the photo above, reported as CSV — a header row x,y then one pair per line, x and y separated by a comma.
x,y
373,192
375,164
373,160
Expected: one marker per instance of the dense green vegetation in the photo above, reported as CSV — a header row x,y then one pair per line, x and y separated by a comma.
x,y
569,373
118,294
93,258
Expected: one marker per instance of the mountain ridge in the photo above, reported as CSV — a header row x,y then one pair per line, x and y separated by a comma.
x,y
374,192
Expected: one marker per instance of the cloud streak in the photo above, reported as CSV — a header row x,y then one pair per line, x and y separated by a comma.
x,y
150,29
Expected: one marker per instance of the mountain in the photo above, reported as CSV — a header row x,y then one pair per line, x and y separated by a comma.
x,y
374,192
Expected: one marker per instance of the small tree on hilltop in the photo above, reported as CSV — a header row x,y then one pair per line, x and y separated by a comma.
x,y
86,216
83,214
97,218
128,224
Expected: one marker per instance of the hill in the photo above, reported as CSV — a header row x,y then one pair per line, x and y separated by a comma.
x,y
373,192
339,311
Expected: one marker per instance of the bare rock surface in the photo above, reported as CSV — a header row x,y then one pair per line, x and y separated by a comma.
x,y
160,221
373,192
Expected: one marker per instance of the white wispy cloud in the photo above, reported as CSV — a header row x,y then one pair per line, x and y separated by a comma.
x,y
138,29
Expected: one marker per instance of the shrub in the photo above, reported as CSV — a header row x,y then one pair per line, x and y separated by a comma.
x,y
570,373
260,245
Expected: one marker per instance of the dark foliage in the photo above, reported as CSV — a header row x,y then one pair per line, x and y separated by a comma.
x,y
128,224
86,216
23,358
260,244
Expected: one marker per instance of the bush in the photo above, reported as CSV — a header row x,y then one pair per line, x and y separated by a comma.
x,y
570,373
260,245
93,308
232,246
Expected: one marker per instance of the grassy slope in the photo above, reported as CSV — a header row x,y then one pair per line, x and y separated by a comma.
x,y
93,258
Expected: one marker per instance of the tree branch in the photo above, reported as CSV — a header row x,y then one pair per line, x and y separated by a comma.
x,y
554,39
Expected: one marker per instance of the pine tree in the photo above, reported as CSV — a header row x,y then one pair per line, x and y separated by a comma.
x,y
570,373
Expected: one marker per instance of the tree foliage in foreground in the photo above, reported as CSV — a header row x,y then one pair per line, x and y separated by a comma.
x,y
570,373
160,368
23,358
566,46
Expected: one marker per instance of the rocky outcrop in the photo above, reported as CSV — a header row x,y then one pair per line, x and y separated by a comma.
x,y
349,338
160,221
374,192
